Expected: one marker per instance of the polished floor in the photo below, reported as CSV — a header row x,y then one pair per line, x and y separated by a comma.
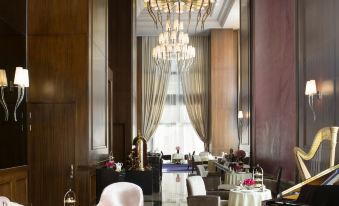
x,y
173,192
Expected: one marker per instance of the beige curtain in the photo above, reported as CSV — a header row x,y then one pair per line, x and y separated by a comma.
x,y
195,84
155,76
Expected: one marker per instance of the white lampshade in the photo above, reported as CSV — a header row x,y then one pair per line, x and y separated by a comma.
x,y
21,77
311,87
240,115
3,78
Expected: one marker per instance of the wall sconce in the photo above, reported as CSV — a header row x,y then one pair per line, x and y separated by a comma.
x,y
311,92
3,85
241,117
21,80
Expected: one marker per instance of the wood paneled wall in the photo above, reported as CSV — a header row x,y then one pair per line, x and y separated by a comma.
x,y
67,60
318,29
274,86
14,184
52,151
122,45
13,147
223,102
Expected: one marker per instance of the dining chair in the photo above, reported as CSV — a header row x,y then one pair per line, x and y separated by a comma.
x,y
198,196
4,201
273,183
122,194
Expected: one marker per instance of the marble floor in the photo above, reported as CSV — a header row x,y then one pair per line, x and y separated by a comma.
x,y
173,192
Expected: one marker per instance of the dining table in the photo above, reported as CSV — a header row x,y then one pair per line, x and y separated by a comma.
x,y
248,197
235,178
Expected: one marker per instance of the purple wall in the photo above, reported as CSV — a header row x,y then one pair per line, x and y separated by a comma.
x,y
274,85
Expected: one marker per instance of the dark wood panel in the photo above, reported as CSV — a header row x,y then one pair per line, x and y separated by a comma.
x,y
14,184
58,71
57,17
85,182
223,103
119,151
121,61
52,151
317,33
13,150
274,85
13,13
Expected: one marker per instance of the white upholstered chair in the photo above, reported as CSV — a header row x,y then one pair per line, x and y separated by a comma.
x,y
4,201
122,194
197,195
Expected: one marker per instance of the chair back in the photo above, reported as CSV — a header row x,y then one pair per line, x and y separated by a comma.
x,y
195,186
274,183
4,201
202,171
122,194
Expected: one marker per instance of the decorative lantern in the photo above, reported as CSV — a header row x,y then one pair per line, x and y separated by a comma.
x,y
70,198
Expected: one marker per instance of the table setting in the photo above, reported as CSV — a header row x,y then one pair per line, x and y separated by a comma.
x,y
251,191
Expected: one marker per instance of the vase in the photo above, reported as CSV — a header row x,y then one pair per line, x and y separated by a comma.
x,y
177,151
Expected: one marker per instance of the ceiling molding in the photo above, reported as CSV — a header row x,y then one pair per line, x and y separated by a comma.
x,y
219,16
225,11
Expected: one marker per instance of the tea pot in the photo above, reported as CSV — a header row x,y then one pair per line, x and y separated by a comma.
x,y
118,166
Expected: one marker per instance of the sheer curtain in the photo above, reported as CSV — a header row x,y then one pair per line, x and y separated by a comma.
x,y
154,88
175,127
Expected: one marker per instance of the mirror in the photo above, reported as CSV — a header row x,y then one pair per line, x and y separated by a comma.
x,y
12,54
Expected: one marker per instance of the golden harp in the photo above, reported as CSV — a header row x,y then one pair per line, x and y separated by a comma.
x,y
326,133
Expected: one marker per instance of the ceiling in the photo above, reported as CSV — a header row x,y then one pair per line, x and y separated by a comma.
x,y
225,14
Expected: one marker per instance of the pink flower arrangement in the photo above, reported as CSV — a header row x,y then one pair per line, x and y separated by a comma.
x,y
110,164
177,148
249,182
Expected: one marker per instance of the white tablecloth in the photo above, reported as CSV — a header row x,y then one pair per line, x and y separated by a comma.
x,y
233,178
248,197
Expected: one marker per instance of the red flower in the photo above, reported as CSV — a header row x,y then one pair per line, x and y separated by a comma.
x,y
110,164
249,182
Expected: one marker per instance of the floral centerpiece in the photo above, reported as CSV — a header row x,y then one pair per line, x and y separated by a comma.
x,y
177,148
240,155
249,183
110,164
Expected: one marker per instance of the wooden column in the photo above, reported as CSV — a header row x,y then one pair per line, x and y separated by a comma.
x,y
122,53
274,86
223,103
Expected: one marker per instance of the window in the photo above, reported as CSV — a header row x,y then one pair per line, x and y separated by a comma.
x,y
175,128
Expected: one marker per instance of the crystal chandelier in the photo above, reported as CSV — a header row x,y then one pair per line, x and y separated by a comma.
x,y
173,46
156,8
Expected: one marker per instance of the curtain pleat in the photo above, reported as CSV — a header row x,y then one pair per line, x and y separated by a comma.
x,y
195,84
155,78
